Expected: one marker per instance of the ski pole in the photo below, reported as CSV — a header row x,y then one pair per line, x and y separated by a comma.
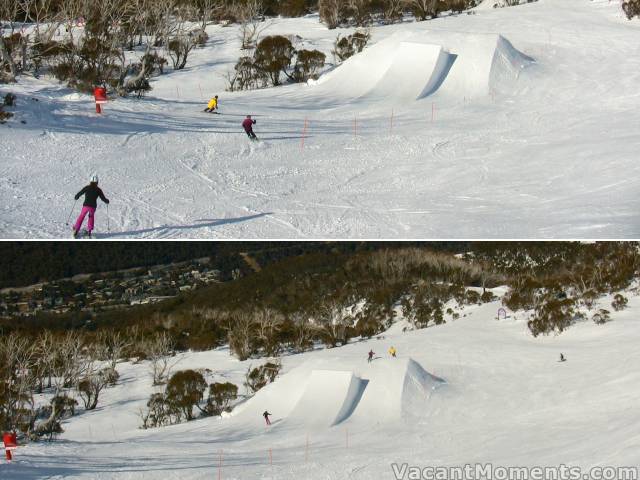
x,y
72,209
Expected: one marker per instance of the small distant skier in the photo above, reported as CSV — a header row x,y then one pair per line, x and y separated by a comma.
x,y
266,417
248,124
562,358
91,193
392,351
212,106
371,354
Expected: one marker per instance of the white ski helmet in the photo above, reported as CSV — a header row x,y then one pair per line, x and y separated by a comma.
x,y
94,178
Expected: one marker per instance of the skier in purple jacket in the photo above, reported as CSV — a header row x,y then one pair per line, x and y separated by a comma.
x,y
248,124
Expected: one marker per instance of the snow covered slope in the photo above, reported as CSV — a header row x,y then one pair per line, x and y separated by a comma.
x,y
507,400
512,122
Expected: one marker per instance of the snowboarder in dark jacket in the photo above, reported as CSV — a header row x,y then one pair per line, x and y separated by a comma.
x,y
91,194
371,354
266,417
248,124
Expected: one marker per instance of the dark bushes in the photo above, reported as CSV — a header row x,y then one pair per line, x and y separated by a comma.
x,y
631,8
184,391
553,315
619,302
308,65
221,396
273,56
345,47
271,60
259,377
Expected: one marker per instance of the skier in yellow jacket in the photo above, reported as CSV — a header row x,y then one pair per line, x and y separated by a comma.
x,y
212,106
392,351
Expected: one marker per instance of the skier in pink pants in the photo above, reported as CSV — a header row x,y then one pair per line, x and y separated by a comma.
x,y
91,193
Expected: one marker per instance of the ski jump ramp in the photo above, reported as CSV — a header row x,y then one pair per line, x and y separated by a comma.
x,y
329,398
409,67
323,394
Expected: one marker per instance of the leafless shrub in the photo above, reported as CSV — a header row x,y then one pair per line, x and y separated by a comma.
x,y
241,335
159,351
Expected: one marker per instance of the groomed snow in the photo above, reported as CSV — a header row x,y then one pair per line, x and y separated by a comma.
x,y
525,126
473,390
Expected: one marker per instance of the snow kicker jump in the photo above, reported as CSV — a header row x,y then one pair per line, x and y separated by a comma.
x,y
320,395
329,398
406,68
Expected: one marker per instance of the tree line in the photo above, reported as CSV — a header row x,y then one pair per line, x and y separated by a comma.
x,y
306,294
84,42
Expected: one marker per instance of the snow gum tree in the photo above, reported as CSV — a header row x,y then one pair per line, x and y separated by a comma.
x,y
273,56
185,390
241,335
269,323
422,9
345,47
334,322
553,315
308,65
92,385
17,381
221,395
259,377
423,307
331,12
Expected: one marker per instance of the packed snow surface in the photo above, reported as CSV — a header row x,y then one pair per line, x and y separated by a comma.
x,y
475,390
510,122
